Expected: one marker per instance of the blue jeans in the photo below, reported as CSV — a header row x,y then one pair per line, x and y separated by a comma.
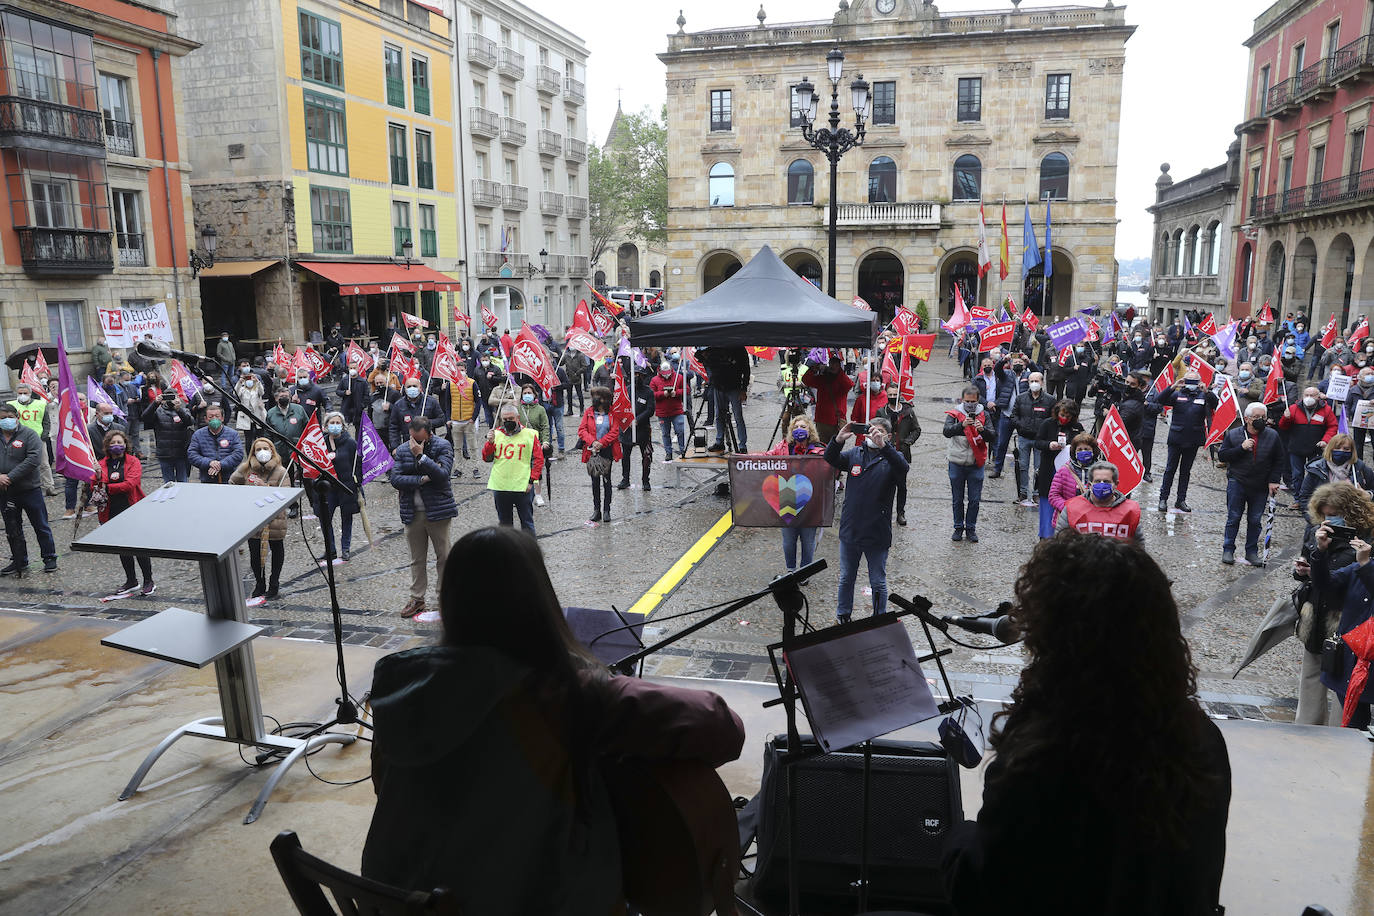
x,y
730,400
1027,465
509,502
1250,502
15,506
965,478
1297,470
72,490
678,424
849,571
807,537
556,421
1003,440
177,469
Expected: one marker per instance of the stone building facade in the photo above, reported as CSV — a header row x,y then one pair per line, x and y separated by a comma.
x,y
95,192
1305,235
628,260
1190,266
1012,106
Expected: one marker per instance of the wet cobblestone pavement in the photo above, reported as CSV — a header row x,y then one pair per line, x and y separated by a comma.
x,y
615,563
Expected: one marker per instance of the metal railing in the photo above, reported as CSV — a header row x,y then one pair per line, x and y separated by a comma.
x,y
1341,64
547,80
557,265
513,131
574,91
578,265
1312,79
491,264
1356,187
515,197
421,99
913,213
484,123
576,150
550,202
1279,96
577,207
131,251
66,250
395,92
48,119
550,142
512,64
481,50
486,193
119,137
1359,53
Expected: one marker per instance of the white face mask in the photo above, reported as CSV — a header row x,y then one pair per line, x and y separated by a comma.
x,y
23,399
1309,403
1034,387
353,372
264,456
412,392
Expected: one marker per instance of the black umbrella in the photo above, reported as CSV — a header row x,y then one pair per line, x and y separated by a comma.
x,y
16,359
1276,627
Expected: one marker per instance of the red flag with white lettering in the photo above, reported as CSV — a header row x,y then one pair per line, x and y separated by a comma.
x,y
907,378
1117,448
578,339
1265,313
413,321
28,377
996,335
460,315
1165,378
621,408
1208,325
1329,333
402,343
1361,331
279,355
312,444
358,358
1029,319
447,365
317,363
1205,371
602,324
906,321
404,367
489,319
889,368
40,365
860,304
1227,412
1271,387
529,357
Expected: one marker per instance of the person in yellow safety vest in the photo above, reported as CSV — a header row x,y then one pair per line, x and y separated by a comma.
x,y
462,415
517,463
32,412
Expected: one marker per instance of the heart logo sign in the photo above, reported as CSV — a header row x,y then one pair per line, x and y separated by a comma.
x,y
787,495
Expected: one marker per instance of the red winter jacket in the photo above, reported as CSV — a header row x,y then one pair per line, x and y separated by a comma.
x,y
130,486
1308,433
586,434
668,394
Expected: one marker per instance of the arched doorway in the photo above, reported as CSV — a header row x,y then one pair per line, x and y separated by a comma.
x,y
1275,277
627,266
599,279
1052,297
1337,283
960,269
507,303
655,279
1365,301
1304,286
717,268
805,265
882,281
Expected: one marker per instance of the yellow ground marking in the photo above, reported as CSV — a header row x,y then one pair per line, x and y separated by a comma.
x,y
660,590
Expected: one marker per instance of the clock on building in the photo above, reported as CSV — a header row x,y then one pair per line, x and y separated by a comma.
x,y
886,6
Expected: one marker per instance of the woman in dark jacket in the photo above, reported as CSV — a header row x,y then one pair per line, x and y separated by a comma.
x,y
1336,464
343,453
1055,435
1118,800
487,747
1356,580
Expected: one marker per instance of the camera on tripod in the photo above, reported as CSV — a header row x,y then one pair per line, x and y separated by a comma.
x,y
1111,388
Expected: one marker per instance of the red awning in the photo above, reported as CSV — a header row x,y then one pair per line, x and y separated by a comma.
x,y
357,279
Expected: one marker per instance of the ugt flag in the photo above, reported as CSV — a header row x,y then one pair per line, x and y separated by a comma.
x,y
75,457
313,446
528,356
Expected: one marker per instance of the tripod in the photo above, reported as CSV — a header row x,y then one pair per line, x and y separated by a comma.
x,y
724,418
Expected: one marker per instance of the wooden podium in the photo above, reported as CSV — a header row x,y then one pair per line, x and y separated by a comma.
x,y
206,523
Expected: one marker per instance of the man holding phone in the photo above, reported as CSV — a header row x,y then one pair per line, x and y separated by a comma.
x,y
873,469
1254,464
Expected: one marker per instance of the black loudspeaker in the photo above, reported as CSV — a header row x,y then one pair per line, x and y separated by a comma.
x,y
914,802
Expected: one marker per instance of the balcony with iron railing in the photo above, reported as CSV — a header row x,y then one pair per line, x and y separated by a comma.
x,y
400,235
574,91
550,202
23,118
421,94
547,80
429,243
119,137
1319,80
1314,82
1279,98
131,250
556,266
500,264
56,252
1356,189
550,142
395,92
484,123
515,197
486,193
513,131
1354,60
578,265
481,51
512,64
912,215
577,207
576,150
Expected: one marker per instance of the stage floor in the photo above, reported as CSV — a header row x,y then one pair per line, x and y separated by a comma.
x,y
76,719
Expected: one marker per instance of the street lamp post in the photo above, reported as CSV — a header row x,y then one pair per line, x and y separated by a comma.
x,y
834,141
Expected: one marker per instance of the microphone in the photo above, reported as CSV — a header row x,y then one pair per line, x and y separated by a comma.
x,y
156,349
1000,628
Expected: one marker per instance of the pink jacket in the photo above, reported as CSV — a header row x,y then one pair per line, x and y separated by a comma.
x,y
1063,488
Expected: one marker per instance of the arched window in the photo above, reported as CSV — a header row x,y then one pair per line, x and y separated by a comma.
x,y
655,279
1214,249
1054,177
968,178
882,181
1180,265
599,279
1163,262
1247,269
801,183
1194,254
722,185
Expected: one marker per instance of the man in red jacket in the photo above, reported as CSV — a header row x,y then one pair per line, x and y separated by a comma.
x,y
832,396
1308,426
1104,509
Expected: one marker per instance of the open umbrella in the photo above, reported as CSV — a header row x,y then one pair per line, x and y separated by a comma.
x,y
16,358
1274,629
1361,642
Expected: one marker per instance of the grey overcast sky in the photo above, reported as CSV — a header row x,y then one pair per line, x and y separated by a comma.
x,y
1182,97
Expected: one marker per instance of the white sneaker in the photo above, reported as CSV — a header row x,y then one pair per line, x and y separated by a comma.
x,y
538,500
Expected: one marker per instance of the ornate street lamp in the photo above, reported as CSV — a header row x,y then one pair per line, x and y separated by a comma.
x,y
209,238
531,271
834,141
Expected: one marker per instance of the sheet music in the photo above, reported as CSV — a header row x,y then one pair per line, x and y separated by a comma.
x,y
861,683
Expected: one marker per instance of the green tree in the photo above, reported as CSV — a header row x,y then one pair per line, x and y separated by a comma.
x,y
642,142
608,200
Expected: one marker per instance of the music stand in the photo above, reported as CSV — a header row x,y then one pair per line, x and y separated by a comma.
x,y
206,523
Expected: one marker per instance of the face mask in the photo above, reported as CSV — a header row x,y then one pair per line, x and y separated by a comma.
x,y
248,382
353,373
303,380
970,407
1289,354
24,399
1017,367
105,419
1244,376
244,370
875,386
1137,340
466,348
412,392
1078,351
1258,424
1083,455
800,435
431,345
510,426
115,450
9,424
527,398
987,370
1034,387
226,337
1369,349
214,424
1309,403
1367,380
892,395
1299,327
1337,521
1340,456
1102,489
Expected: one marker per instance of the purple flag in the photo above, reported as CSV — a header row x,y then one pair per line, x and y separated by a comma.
x,y
1067,332
72,444
818,356
372,450
1226,340
96,395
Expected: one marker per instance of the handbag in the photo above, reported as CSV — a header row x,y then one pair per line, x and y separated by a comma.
x,y
598,466
1333,657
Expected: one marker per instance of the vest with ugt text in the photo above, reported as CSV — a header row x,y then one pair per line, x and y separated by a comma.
x,y
510,470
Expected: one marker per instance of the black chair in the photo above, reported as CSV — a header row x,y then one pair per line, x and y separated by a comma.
x,y
306,877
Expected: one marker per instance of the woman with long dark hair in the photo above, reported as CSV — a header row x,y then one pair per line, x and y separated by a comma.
x,y
486,746
1110,787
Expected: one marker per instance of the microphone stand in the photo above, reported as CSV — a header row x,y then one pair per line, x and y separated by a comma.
x,y
347,710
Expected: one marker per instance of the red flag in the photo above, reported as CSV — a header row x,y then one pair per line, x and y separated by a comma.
x,y
447,365
30,378
1227,412
402,343
981,314
1208,325
621,408
182,379
299,361
1064,353
529,357
312,444
412,321
906,321
358,358
1116,448
860,304
654,301
1165,378
40,365
489,319
443,340
1271,386
907,379
889,368
1265,313
460,315
602,324
1029,319
611,306
689,356
317,363
961,318
763,352
578,339
1361,331
279,355
1205,371
918,346
996,335
404,367
1329,333
582,316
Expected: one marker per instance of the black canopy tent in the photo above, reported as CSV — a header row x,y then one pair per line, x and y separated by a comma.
x,y
765,304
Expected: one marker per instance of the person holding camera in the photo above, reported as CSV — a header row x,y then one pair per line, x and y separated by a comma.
x,y
873,470
1254,465
832,396
1357,581
172,424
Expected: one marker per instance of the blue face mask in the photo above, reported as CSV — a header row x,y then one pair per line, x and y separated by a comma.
x,y
800,435
527,398
1340,456
1102,489
9,424
1245,376
1337,521
335,429
1083,456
